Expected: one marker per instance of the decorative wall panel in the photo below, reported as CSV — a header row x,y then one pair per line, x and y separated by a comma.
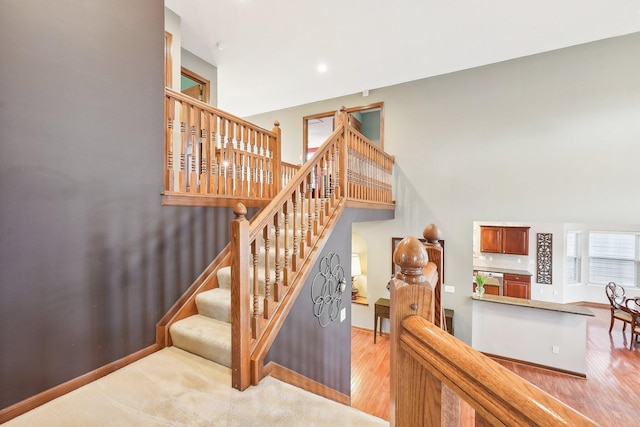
x,y
544,259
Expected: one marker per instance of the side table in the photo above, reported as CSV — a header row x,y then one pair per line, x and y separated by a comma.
x,y
381,311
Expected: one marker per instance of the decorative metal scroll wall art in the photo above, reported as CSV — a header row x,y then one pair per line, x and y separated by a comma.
x,y
327,288
544,259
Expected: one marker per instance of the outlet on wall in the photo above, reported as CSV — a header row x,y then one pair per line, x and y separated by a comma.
x,y
343,314
555,349
541,290
450,289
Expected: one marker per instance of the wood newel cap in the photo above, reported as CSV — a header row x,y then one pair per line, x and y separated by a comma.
x,y
412,257
240,211
276,124
432,234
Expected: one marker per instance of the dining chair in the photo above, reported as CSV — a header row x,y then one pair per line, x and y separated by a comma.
x,y
617,298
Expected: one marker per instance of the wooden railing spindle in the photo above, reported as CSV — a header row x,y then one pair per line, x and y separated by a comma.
x,y
268,298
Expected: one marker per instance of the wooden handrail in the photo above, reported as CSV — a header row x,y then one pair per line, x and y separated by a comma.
x,y
285,237
281,236
498,396
428,363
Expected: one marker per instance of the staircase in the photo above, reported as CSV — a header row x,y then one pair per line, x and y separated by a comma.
x,y
208,333
233,312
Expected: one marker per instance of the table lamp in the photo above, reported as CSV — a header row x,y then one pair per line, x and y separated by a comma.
x,y
356,270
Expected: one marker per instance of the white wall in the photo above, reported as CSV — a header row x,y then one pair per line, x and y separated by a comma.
x,y
204,69
529,334
546,138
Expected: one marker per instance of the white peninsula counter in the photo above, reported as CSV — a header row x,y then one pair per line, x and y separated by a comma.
x,y
542,333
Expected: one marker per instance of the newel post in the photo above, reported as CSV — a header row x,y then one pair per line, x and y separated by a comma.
x,y
415,395
344,153
240,300
277,159
435,253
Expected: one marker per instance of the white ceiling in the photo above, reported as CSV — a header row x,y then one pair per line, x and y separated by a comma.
x,y
272,48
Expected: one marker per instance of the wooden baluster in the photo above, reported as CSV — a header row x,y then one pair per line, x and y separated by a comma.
x,y
255,318
277,284
184,111
271,191
224,162
334,173
232,185
295,256
276,155
240,353
253,175
194,115
246,183
314,205
169,114
353,167
322,188
303,219
262,165
286,211
415,393
204,157
268,298
214,169
310,210
239,161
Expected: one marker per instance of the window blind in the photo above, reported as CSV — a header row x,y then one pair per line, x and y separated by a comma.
x,y
613,257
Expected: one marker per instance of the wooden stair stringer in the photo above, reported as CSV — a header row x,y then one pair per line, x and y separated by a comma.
x,y
185,306
261,346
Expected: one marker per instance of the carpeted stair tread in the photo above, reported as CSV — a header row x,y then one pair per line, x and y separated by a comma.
x,y
206,337
215,303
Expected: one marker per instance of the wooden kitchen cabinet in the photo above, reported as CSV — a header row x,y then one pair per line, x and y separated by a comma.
x,y
488,289
504,240
517,286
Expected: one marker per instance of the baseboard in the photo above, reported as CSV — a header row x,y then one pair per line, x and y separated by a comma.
x,y
592,304
369,330
33,402
536,365
288,376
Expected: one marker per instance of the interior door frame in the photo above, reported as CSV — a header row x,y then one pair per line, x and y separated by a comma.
x,y
305,123
205,83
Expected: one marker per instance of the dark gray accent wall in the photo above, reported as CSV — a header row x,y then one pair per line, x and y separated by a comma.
x,y
323,354
89,259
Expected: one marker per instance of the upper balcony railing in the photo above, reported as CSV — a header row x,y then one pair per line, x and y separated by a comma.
x,y
215,158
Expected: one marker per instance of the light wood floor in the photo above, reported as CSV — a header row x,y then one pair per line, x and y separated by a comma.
x,y
610,395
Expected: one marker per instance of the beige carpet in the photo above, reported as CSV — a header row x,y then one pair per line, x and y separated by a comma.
x,y
175,388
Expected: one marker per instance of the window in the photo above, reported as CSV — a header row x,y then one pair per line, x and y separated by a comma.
x,y
194,85
574,256
613,257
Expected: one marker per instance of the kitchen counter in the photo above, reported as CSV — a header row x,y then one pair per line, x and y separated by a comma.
x,y
503,270
542,305
546,334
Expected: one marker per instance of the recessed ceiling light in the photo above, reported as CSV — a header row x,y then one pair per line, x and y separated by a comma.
x,y
322,68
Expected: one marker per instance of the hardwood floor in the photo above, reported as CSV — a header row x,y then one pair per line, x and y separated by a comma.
x,y
610,395
370,373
